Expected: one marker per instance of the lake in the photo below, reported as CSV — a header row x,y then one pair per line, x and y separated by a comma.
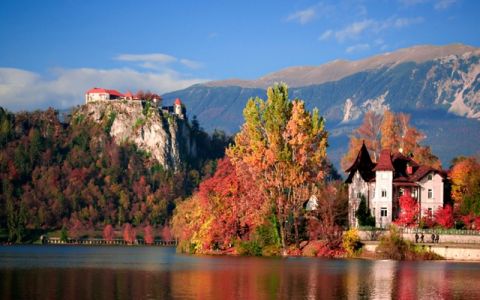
x,y
89,272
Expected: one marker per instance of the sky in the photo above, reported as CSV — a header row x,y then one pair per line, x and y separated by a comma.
x,y
52,51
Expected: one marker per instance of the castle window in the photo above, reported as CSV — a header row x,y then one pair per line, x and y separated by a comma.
x,y
383,212
384,193
430,193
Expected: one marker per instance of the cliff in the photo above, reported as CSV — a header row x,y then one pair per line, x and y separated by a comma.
x,y
164,136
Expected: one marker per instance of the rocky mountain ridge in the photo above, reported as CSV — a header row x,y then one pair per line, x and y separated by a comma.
x,y
438,85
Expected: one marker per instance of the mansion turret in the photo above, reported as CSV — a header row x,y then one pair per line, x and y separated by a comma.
x,y
384,182
101,94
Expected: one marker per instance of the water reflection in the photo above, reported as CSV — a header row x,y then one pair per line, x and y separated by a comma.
x,y
158,273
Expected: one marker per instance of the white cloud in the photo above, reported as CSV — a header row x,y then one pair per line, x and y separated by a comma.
x,y
63,88
151,58
326,35
157,61
404,22
302,16
355,29
191,63
357,48
444,4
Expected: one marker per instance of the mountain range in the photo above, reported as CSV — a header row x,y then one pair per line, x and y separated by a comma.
x,y
438,85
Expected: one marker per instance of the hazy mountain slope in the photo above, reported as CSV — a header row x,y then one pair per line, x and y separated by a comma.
x,y
338,69
439,85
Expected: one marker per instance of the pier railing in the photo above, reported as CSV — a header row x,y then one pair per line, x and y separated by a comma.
x,y
98,241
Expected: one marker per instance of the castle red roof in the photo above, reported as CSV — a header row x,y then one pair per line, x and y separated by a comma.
x,y
115,93
96,90
384,161
178,101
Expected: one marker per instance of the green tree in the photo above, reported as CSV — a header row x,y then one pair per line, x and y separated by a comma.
x,y
363,214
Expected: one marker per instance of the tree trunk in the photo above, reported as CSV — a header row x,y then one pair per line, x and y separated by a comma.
x,y
282,232
295,226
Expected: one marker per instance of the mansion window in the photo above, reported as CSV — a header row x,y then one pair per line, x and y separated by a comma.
x,y
400,192
383,212
384,193
430,193
430,177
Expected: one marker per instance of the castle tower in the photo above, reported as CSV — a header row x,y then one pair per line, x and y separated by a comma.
x,y
177,108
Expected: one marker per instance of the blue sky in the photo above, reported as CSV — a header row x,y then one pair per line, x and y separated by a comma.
x,y
52,51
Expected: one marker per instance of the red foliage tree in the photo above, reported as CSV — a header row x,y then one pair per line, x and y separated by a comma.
x,y
166,233
148,235
108,233
129,233
444,216
408,211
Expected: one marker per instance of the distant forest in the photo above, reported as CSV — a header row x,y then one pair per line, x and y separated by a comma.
x,y
74,176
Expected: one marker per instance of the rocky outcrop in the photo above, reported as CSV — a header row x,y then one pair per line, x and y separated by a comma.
x,y
164,136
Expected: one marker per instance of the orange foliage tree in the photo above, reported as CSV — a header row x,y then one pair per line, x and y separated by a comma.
x,y
129,234
465,175
390,131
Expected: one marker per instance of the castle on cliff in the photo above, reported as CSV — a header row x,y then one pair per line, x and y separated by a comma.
x,y
101,94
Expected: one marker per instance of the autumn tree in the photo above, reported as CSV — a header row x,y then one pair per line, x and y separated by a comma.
x,y
465,175
408,211
443,216
108,233
283,148
129,234
148,235
390,131
368,132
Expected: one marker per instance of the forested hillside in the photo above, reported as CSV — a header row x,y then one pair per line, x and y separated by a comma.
x,y
76,175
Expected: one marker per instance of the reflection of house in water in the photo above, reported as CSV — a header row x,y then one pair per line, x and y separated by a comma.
x,y
383,277
101,94
384,182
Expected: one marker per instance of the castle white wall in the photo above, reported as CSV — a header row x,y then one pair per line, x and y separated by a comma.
x,y
96,97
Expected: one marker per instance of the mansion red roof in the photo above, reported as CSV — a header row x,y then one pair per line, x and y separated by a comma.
x,y
384,162
406,172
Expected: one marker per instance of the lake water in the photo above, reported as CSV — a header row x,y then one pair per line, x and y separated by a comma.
x,y
76,272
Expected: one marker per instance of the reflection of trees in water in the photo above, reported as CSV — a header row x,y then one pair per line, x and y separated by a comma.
x,y
249,278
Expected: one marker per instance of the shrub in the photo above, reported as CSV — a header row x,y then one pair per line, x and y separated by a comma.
x,y
351,242
393,246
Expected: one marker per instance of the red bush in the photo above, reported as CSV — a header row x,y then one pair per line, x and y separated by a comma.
x,y
444,216
129,233
148,235
108,233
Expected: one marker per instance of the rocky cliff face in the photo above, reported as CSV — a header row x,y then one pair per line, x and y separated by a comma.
x,y
164,136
